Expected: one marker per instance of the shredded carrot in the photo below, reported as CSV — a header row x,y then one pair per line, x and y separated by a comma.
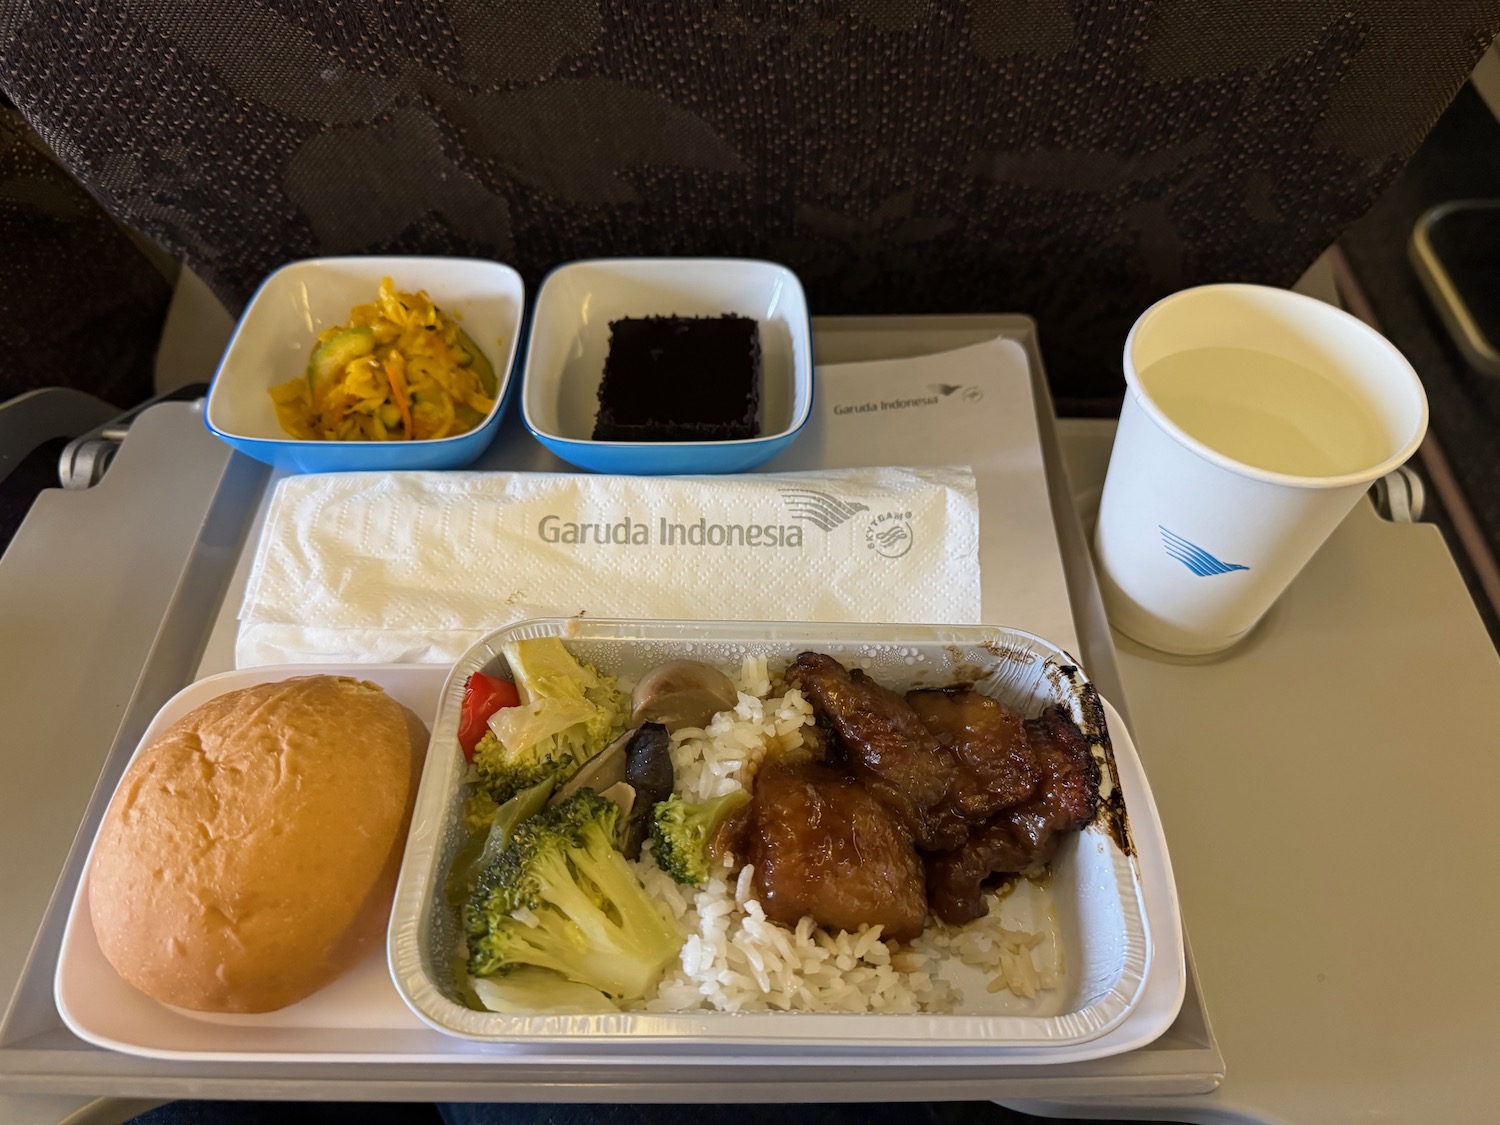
x,y
398,369
393,372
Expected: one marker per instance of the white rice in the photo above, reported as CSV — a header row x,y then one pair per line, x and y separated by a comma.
x,y
710,762
735,959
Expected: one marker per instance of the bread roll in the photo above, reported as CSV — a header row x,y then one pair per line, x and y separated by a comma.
x,y
249,855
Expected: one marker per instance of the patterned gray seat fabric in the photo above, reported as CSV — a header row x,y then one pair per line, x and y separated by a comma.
x,y
80,305
1075,159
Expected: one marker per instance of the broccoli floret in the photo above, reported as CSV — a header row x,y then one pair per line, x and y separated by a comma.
x,y
681,833
479,809
502,775
567,714
562,897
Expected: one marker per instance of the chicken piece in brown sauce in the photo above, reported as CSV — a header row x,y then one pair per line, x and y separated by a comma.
x,y
996,768
1021,838
886,744
1069,794
823,845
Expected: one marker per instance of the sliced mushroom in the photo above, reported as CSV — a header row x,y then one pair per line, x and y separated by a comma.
x,y
648,768
622,794
682,693
638,763
604,769
648,762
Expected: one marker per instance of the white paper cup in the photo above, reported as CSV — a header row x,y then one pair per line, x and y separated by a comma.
x,y
1193,546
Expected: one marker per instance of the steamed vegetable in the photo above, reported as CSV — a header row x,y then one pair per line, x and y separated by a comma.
x,y
603,770
478,810
483,696
682,834
567,714
562,897
528,992
682,693
486,842
648,770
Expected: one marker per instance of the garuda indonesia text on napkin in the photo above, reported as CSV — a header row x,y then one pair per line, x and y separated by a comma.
x,y
416,567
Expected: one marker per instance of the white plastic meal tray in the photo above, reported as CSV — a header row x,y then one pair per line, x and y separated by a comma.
x,y
1092,909
362,1018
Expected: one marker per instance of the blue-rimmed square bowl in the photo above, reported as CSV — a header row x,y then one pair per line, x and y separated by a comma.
x,y
570,340
280,326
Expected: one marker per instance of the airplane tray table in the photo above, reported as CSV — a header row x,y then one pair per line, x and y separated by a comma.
x,y
116,597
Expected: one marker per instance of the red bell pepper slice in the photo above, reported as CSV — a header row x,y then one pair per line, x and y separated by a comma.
x,y
483,696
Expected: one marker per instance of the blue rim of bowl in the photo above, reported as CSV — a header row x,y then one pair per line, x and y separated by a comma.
x,y
507,386
794,428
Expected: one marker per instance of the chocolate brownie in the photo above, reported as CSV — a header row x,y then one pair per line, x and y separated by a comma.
x,y
679,378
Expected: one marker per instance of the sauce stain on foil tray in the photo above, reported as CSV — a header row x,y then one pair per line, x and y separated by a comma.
x,y
1012,663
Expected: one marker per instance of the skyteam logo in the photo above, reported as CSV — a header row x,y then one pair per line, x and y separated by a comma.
x,y
819,508
889,535
1195,558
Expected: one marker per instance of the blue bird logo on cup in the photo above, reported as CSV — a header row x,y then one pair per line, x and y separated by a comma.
x,y
1194,557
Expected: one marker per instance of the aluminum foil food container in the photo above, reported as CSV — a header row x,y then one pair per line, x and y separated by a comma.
x,y
1090,907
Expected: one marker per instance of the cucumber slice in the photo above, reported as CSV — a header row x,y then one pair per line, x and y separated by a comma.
x,y
329,359
480,364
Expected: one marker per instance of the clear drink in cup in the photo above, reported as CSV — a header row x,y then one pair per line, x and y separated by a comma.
x,y
1254,420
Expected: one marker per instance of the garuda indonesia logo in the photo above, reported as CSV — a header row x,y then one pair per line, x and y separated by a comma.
x,y
819,508
1195,558
888,535
970,393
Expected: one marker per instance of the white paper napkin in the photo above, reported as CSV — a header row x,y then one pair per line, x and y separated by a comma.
x,y
416,567
973,405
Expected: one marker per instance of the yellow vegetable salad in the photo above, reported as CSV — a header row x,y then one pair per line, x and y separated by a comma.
x,y
399,370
